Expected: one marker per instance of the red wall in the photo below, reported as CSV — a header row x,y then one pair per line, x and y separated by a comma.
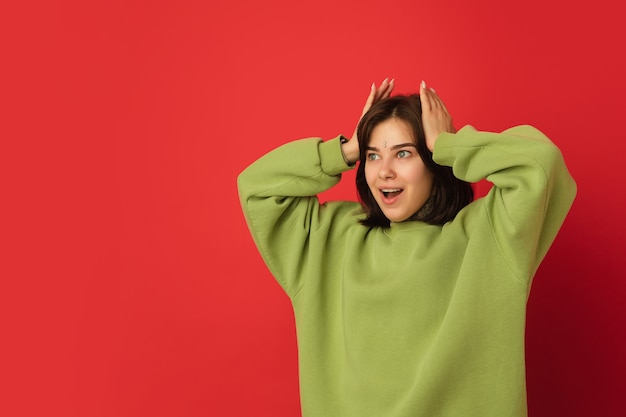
x,y
130,284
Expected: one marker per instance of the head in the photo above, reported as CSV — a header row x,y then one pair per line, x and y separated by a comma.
x,y
397,179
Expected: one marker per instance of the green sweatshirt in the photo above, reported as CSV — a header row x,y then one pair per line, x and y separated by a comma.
x,y
414,320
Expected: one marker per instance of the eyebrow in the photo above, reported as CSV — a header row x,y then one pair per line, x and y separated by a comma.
x,y
394,147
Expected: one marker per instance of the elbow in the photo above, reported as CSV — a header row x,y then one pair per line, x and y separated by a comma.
x,y
243,186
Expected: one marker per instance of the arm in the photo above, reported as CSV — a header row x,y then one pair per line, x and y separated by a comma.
x,y
532,194
533,190
278,198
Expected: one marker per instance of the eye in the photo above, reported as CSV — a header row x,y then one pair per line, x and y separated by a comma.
x,y
404,154
372,157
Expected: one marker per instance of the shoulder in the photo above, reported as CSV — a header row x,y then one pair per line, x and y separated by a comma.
x,y
341,215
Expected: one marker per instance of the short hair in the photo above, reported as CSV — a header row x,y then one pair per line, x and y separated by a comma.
x,y
449,194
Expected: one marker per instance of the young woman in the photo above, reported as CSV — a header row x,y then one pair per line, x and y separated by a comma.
x,y
413,302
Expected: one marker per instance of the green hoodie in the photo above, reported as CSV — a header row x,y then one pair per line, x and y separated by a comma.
x,y
417,319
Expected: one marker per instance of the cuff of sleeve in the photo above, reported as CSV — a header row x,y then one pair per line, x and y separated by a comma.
x,y
444,146
331,157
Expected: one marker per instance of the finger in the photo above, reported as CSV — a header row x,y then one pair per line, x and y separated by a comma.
x,y
383,87
370,99
387,92
442,104
439,103
425,98
435,101
376,94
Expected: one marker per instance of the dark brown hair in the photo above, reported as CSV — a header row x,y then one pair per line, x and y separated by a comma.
x,y
449,194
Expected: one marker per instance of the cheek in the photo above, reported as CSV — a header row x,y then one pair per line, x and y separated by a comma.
x,y
427,178
421,175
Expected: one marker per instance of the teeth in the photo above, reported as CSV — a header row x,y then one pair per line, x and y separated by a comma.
x,y
390,190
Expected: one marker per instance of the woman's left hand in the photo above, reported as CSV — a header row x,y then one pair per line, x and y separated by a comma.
x,y
435,116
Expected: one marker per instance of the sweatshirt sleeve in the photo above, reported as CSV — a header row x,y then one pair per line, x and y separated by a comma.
x,y
532,188
278,198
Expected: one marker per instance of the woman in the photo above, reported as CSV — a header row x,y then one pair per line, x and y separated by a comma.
x,y
412,303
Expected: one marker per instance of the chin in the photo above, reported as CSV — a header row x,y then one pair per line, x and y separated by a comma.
x,y
396,219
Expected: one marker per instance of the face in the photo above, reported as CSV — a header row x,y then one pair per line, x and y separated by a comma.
x,y
395,172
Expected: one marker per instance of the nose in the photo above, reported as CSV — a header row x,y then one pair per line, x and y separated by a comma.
x,y
386,171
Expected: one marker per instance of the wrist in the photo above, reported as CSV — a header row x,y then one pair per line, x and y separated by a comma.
x,y
349,150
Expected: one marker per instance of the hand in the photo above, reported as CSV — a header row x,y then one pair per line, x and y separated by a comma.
x,y
351,148
435,116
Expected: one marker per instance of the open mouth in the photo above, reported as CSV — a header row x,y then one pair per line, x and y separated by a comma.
x,y
391,192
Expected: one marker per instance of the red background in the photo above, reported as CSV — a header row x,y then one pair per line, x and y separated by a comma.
x,y
130,285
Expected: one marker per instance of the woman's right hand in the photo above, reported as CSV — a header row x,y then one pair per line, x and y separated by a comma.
x,y
350,149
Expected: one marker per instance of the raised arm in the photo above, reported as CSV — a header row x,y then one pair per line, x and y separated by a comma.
x,y
533,190
278,198
532,193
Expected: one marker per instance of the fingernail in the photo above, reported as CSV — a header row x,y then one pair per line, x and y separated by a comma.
x,y
392,80
423,84
373,86
432,89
